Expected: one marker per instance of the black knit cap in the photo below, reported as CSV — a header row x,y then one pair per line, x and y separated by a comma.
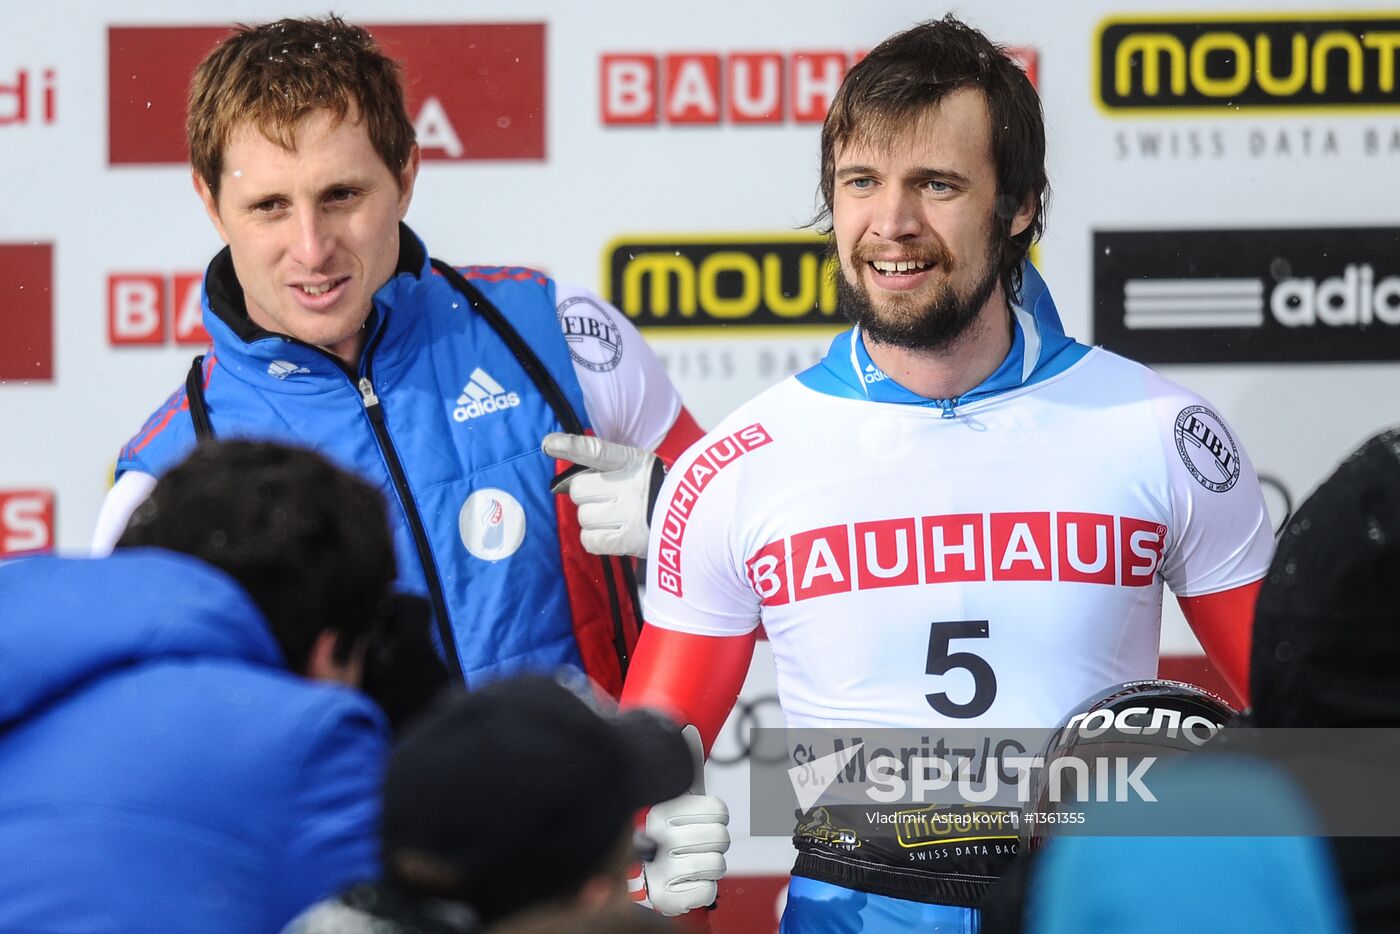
x,y
525,789
1327,624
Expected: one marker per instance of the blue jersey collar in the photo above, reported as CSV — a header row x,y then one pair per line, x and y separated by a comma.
x,y
1039,349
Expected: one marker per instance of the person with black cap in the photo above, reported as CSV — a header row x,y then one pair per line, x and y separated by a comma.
x,y
1326,651
513,804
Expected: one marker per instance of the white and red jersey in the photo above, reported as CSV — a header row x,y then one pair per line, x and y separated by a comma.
x,y
993,560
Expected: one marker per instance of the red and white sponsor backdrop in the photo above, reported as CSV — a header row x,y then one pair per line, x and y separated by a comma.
x,y
667,156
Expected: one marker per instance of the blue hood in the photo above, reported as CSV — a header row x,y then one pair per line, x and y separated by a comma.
x,y
1142,883
64,621
1039,350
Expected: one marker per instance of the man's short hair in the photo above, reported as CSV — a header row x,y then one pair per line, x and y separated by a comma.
x,y
272,76
309,542
914,70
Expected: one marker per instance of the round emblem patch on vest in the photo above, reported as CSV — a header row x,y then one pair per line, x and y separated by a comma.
x,y
1207,448
591,333
492,524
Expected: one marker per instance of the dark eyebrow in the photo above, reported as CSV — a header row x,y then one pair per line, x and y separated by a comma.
x,y
940,175
357,184
920,173
853,170
261,197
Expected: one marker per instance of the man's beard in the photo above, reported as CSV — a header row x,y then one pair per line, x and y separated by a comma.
x,y
935,326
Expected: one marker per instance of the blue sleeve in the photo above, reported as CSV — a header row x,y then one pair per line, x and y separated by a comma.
x,y
164,440
333,838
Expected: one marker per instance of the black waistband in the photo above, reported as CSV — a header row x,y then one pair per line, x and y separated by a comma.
x,y
964,890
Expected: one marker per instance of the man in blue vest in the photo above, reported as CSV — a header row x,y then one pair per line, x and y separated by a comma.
x,y
331,327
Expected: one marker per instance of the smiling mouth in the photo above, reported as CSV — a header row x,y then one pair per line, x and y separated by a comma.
x,y
899,268
320,289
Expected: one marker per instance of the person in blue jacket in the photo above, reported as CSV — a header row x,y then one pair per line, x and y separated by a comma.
x,y
461,392
180,747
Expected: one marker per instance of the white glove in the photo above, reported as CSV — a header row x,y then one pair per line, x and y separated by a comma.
x,y
614,487
691,834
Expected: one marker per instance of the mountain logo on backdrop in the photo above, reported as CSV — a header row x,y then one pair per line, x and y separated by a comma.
x,y
1237,64
1249,295
475,90
685,281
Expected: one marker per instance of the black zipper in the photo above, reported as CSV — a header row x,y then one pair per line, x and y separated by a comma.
x,y
375,412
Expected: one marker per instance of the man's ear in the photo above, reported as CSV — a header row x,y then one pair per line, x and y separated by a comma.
x,y
407,178
211,204
1024,214
321,663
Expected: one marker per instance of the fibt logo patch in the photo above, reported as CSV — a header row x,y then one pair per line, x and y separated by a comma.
x,y
1207,448
594,340
26,311
482,395
26,521
475,91
147,309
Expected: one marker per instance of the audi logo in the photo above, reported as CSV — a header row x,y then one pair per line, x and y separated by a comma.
x,y
734,746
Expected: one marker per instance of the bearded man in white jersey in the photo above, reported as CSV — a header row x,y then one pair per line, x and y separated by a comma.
x,y
961,516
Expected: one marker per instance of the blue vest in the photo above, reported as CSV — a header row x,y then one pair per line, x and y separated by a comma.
x,y
443,417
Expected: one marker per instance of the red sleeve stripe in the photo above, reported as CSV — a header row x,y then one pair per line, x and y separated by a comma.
x,y
500,273
179,402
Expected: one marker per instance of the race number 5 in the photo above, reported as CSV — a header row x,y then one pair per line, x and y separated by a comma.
x,y
941,661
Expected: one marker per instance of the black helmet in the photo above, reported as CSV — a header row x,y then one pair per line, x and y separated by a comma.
x,y
1114,729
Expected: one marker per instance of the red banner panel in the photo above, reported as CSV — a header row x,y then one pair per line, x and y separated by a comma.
x,y
475,91
26,308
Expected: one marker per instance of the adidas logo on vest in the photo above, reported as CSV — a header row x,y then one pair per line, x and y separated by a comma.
x,y
481,396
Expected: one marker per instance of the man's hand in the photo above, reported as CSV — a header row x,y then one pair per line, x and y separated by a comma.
x,y
614,487
691,834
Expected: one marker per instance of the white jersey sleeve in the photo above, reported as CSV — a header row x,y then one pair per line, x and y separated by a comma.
x,y
122,499
626,391
717,592
1223,537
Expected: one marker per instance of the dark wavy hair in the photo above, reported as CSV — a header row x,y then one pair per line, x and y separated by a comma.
x,y
914,70
309,542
